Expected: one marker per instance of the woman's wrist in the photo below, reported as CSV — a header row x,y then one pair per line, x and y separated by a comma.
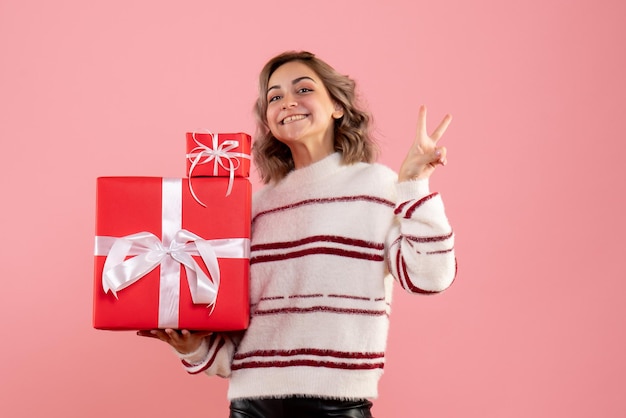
x,y
412,189
196,356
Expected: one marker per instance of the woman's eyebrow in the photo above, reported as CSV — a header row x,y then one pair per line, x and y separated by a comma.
x,y
299,79
295,81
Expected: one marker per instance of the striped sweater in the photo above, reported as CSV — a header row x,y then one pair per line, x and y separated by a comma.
x,y
324,240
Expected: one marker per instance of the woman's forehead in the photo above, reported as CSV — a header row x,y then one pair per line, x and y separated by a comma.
x,y
291,71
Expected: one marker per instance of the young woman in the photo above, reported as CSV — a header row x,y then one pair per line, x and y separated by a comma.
x,y
331,230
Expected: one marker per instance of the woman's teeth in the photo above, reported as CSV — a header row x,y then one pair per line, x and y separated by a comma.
x,y
293,118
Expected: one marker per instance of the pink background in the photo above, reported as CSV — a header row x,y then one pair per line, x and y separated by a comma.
x,y
533,327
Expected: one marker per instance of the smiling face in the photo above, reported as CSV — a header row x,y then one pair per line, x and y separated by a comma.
x,y
300,112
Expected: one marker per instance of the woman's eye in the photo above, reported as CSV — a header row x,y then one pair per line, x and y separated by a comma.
x,y
273,99
304,90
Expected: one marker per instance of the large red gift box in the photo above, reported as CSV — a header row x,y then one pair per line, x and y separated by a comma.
x,y
163,260
218,155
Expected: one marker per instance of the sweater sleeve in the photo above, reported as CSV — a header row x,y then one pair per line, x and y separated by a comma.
x,y
420,244
213,357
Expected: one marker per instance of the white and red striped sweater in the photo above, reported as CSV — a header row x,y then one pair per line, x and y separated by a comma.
x,y
324,241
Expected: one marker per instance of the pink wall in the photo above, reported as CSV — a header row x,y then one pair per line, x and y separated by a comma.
x,y
534,326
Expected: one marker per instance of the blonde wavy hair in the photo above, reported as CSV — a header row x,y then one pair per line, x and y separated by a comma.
x,y
352,137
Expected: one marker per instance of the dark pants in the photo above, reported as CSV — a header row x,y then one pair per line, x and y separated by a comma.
x,y
297,407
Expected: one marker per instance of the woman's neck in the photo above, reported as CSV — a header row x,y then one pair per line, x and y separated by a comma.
x,y
304,156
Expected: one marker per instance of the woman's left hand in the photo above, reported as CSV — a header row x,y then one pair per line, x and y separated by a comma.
x,y
183,341
424,155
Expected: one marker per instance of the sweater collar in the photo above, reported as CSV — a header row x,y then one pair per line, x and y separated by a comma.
x,y
323,168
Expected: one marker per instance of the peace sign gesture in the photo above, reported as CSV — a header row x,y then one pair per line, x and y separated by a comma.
x,y
424,154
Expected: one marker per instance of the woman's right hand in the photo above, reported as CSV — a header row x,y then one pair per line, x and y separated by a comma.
x,y
183,341
424,155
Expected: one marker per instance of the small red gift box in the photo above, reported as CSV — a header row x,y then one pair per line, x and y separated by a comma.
x,y
218,155
163,260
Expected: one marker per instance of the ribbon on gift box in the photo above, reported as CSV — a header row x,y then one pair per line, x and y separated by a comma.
x,y
175,249
221,155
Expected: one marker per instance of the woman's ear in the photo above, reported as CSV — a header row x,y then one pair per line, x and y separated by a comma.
x,y
338,113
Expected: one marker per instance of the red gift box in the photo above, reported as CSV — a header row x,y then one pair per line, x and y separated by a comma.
x,y
218,155
163,260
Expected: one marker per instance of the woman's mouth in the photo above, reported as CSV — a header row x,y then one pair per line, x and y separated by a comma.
x,y
292,118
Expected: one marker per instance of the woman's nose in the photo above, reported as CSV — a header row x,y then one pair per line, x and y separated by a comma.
x,y
289,102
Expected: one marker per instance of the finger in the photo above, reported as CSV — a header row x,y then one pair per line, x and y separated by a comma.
x,y
441,129
443,156
146,333
421,122
198,335
201,334
161,335
153,333
173,335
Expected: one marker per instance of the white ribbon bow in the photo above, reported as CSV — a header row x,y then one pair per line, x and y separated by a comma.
x,y
221,156
119,273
